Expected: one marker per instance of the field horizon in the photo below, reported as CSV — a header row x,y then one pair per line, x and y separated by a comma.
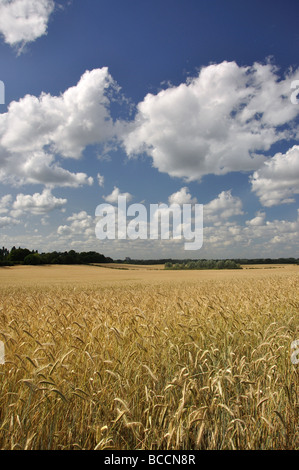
x,y
110,273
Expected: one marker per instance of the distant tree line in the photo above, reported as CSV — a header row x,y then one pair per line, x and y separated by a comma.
x,y
268,261
28,257
185,261
204,264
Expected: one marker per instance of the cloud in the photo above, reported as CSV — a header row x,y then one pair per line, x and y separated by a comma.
x,y
23,21
82,224
37,204
223,238
282,232
258,220
113,197
64,230
258,238
39,168
221,121
5,202
182,197
223,207
278,179
7,221
101,179
36,130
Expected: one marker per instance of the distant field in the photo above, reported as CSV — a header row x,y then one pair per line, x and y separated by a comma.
x,y
105,275
130,266
143,358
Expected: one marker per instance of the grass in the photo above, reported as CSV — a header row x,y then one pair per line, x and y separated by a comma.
x,y
149,362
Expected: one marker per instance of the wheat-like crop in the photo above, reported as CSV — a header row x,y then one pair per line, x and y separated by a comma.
x,y
174,365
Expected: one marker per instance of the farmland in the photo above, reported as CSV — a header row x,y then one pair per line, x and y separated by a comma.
x,y
143,358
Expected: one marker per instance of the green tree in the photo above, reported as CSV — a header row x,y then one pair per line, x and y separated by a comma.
x,y
17,255
33,259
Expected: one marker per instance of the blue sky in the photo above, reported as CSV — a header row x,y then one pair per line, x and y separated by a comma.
x,y
167,101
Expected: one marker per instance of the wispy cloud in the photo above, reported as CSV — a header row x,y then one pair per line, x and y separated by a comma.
x,y
101,179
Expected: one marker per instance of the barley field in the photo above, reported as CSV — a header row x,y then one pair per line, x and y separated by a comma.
x,y
99,358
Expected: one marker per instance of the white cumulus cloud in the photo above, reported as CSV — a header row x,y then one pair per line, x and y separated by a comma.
x,y
221,121
223,207
5,203
113,197
35,130
258,220
37,204
182,197
7,221
278,179
81,224
23,21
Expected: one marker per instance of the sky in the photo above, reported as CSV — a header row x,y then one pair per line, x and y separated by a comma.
x,y
169,101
